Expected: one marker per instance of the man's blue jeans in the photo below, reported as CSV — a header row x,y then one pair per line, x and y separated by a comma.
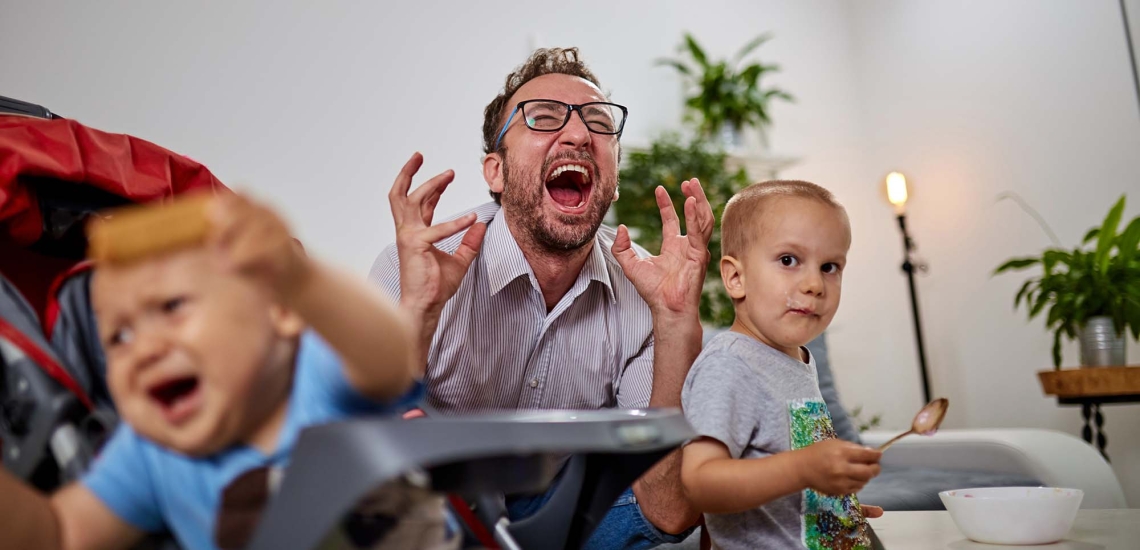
x,y
623,528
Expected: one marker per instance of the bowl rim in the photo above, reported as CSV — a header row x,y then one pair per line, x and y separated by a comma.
x,y
1070,492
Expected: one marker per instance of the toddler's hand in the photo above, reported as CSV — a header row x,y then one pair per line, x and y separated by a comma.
x,y
254,241
836,467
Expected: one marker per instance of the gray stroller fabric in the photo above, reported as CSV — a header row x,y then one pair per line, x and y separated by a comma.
x,y
75,338
49,434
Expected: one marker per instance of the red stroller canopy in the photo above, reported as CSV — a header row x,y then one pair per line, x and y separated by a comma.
x,y
74,163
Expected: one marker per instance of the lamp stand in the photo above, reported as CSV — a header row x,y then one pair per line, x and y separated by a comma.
x,y
909,267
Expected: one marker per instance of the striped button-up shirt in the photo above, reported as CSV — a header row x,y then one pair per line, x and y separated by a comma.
x,y
497,348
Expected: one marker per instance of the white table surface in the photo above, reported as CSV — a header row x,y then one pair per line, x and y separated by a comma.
x,y
1093,530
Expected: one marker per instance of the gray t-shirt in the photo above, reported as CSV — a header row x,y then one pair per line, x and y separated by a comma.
x,y
759,402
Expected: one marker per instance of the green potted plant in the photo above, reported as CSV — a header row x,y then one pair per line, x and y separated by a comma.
x,y
668,162
1091,292
723,97
864,424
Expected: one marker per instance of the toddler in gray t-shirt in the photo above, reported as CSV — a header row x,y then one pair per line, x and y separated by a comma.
x,y
767,469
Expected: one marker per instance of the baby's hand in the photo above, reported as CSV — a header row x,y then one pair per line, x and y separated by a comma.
x,y
254,241
836,467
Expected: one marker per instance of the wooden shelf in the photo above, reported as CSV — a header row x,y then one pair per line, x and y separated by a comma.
x,y
1091,388
1092,382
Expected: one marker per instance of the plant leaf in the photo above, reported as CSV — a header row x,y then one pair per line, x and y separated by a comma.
x,y
1048,261
780,94
1016,263
1021,293
751,45
1128,242
696,51
1055,314
1107,235
681,67
1055,255
1090,235
751,74
1041,299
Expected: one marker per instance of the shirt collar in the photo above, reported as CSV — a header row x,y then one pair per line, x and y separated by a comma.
x,y
508,263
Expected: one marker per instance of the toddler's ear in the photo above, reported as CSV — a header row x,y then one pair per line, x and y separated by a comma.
x,y
732,275
287,322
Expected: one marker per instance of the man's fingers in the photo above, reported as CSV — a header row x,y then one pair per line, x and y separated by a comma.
x,y
697,237
670,225
623,248
697,191
703,219
433,186
472,241
427,211
404,178
444,230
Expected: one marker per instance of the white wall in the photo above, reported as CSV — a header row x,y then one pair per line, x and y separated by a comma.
x,y
972,99
320,105
317,107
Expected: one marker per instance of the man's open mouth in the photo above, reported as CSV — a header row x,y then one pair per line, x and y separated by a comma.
x,y
177,397
569,185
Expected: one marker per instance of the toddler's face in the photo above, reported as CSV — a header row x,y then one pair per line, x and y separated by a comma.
x,y
197,359
790,277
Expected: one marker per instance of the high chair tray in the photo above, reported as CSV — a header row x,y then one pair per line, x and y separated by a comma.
x,y
335,465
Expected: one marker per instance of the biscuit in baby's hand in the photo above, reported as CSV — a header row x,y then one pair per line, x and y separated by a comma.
x,y
134,232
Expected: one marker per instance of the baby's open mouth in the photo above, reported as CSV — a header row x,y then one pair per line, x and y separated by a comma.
x,y
178,397
569,186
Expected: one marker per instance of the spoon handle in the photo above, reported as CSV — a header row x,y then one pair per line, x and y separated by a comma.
x,y
884,446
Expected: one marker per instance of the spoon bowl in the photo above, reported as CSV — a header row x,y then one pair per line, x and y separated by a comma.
x,y
926,422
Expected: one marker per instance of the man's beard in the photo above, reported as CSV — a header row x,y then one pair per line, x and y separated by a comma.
x,y
556,233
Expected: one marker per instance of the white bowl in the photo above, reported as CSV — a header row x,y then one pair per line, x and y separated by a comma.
x,y
1013,515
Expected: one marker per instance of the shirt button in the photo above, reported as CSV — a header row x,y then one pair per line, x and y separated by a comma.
x,y
534,382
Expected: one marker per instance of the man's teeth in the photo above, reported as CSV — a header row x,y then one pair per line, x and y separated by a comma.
x,y
570,167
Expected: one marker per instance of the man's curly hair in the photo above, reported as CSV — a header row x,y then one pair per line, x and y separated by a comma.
x,y
543,61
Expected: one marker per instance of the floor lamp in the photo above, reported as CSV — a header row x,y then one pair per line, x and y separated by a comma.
x,y
897,195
